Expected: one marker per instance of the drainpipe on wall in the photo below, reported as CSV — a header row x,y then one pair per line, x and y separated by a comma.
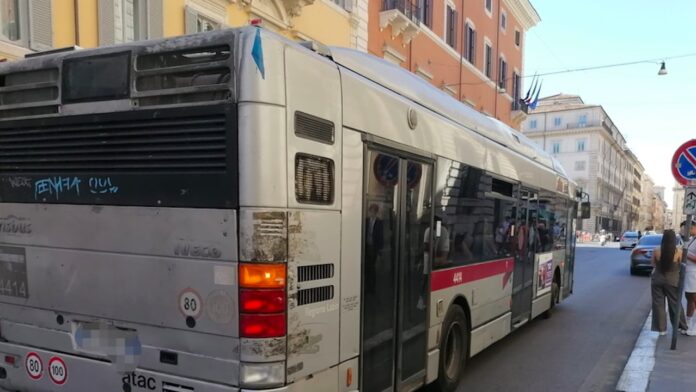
x,y
76,10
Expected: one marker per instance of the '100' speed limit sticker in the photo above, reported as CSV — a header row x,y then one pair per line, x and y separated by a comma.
x,y
57,370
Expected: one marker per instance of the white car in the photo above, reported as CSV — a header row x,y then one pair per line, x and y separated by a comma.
x,y
629,239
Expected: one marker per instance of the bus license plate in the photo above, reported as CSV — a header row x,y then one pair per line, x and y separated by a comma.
x,y
13,272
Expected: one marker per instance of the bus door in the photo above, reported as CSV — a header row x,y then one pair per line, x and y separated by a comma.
x,y
523,275
396,271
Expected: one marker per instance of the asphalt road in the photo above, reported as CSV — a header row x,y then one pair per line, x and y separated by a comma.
x,y
584,345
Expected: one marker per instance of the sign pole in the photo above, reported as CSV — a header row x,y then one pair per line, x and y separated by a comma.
x,y
682,272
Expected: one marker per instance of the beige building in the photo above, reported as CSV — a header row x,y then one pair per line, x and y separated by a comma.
x,y
594,154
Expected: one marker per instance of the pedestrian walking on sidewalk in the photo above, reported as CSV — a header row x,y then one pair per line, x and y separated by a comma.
x,y
665,283
690,282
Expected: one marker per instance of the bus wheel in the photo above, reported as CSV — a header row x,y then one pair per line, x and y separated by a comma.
x,y
453,349
555,293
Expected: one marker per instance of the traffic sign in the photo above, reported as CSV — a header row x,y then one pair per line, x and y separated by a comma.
x,y
57,370
690,201
684,163
34,365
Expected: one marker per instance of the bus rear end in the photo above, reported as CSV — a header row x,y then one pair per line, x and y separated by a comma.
x,y
119,215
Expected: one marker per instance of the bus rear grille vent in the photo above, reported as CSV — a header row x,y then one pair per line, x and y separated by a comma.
x,y
315,128
314,295
314,179
185,76
315,272
170,387
29,93
155,145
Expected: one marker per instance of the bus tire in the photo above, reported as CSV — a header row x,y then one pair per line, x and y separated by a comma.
x,y
555,294
454,350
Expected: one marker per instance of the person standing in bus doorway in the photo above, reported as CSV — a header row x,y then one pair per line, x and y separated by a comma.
x,y
690,280
665,283
374,241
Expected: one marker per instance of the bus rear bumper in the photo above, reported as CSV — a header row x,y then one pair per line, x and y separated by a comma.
x,y
24,368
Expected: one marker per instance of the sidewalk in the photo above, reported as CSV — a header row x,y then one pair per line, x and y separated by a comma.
x,y
653,367
674,370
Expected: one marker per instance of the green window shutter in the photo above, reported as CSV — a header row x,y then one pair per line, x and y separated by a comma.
x,y
40,25
107,27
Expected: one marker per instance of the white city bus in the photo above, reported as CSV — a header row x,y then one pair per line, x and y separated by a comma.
x,y
233,211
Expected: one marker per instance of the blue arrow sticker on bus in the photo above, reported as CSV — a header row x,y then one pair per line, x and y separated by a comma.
x,y
257,53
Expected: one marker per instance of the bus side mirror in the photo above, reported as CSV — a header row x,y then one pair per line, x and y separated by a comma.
x,y
585,210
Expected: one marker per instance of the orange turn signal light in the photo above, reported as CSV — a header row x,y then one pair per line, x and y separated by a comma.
x,y
261,276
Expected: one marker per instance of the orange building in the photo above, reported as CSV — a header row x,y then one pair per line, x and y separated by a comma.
x,y
472,49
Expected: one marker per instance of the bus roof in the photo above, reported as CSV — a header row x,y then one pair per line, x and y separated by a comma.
x,y
414,88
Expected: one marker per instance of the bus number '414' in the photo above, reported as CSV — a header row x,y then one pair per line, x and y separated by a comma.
x,y
458,278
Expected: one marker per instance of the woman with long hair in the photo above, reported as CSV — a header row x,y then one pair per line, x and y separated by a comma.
x,y
665,282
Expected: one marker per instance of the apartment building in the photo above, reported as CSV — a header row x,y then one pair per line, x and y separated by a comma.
x,y
31,25
473,50
594,154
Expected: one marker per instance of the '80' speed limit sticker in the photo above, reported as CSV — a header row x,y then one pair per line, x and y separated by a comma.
x,y
190,303
34,366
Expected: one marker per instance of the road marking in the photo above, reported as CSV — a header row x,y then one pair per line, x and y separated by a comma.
x,y
636,373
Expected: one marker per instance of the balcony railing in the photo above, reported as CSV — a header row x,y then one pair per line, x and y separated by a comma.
x,y
408,8
404,17
518,105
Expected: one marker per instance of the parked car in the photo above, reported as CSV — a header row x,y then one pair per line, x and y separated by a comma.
x,y
629,239
641,256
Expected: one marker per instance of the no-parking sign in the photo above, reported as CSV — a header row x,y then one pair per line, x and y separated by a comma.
x,y
684,163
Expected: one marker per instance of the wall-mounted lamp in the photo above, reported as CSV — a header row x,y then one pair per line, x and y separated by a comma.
x,y
663,69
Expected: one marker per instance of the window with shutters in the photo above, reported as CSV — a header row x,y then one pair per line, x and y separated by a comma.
x,y
451,26
27,23
518,38
502,73
198,22
427,12
205,24
122,21
470,44
11,22
488,60
488,4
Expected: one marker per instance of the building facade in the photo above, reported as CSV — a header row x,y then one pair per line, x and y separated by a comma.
x,y
473,50
594,154
632,199
30,25
677,205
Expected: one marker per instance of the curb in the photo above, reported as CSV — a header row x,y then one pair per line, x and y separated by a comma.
x,y
636,373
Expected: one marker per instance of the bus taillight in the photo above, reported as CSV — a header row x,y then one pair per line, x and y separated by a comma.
x,y
262,300
261,276
262,325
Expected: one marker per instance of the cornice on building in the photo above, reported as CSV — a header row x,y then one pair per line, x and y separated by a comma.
x,y
524,13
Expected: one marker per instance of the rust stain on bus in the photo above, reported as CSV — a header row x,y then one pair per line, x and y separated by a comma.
x,y
266,348
268,239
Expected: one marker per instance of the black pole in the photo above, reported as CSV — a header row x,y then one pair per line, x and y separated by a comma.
x,y
682,270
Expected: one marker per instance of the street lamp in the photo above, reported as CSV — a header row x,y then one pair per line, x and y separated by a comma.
x,y
663,69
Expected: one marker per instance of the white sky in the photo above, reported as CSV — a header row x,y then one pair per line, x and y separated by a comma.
x,y
654,113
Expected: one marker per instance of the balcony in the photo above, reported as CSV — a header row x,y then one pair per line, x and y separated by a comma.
x,y
520,110
403,16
